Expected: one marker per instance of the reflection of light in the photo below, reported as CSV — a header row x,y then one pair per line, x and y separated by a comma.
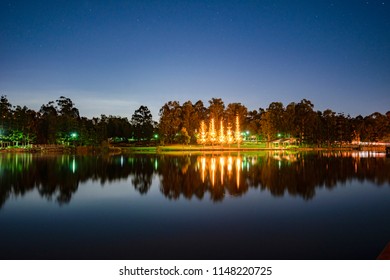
x,y
222,167
238,163
155,164
366,154
121,161
73,165
277,157
230,164
203,160
213,171
213,164
210,166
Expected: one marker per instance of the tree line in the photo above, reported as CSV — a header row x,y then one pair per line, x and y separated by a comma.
x,y
296,120
59,122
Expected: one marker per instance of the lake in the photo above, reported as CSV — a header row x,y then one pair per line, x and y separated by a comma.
x,y
265,205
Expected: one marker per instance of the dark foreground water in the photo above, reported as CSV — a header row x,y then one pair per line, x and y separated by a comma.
x,y
220,206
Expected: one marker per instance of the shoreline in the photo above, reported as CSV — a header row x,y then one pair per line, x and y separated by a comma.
x,y
116,150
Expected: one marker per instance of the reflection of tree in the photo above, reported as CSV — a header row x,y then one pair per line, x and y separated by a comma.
x,y
193,176
298,175
315,170
179,176
142,173
58,177
54,179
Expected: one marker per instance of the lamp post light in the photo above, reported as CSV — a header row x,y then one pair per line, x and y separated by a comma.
x,y
73,136
155,136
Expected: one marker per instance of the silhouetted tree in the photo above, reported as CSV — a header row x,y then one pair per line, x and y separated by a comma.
x,y
142,122
170,121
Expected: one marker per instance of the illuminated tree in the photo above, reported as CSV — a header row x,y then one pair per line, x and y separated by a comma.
x,y
202,134
212,132
237,133
229,135
221,134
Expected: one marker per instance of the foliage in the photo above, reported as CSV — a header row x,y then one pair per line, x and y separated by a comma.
x,y
142,123
60,122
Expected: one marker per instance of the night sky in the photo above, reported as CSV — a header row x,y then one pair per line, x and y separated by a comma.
x,y
110,57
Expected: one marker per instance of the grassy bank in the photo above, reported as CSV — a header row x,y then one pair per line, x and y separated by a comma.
x,y
216,148
246,147
175,148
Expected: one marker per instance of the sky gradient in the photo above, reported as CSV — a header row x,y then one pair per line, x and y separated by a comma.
x,y
110,57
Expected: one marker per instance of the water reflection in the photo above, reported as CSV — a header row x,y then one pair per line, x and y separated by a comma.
x,y
215,175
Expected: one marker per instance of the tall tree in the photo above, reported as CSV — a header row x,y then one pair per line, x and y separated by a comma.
x,y
170,121
216,110
272,121
24,125
5,115
236,109
291,129
118,128
68,120
188,118
267,128
48,124
305,120
329,126
142,122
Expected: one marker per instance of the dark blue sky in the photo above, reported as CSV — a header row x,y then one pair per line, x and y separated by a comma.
x,y
113,56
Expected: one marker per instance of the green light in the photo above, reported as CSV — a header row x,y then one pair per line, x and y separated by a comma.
x,y
156,136
73,135
155,164
73,166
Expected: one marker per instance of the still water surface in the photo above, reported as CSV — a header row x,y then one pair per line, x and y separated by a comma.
x,y
216,206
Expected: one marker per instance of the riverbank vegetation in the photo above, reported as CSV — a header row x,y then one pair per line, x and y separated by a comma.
x,y
295,125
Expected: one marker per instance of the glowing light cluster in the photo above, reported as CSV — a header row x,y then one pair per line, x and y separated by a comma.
x,y
226,167
212,136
